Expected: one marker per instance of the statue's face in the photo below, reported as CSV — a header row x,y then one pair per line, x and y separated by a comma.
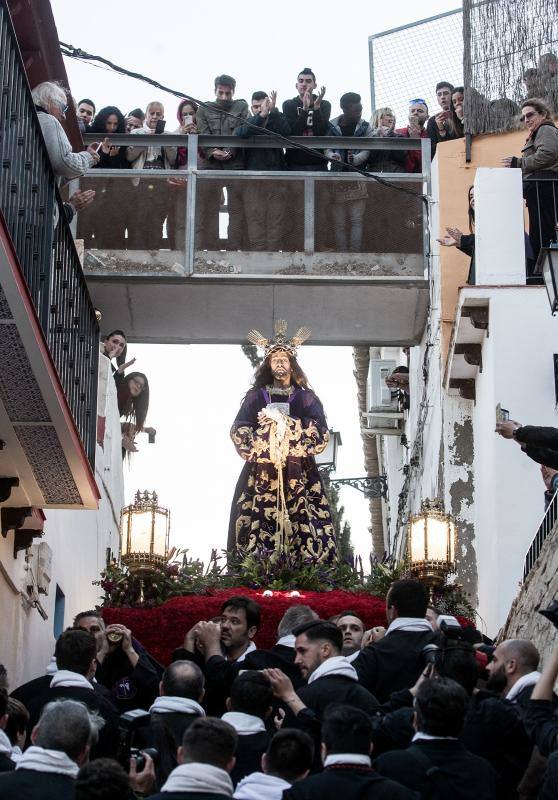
x,y
280,365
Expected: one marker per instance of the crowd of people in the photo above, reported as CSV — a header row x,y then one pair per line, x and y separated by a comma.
x,y
421,708
257,212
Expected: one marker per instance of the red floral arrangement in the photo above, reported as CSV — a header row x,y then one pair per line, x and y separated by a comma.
x,y
162,629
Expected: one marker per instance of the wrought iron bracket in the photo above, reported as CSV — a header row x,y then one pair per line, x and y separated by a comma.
x,y
370,487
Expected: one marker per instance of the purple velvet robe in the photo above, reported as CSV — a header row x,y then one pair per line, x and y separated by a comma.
x,y
253,522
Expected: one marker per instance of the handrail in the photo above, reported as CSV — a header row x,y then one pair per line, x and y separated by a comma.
x,y
47,255
260,141
546,526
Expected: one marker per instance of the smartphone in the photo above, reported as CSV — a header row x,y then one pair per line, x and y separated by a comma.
x,y
502,414
98,147
160,126
187,119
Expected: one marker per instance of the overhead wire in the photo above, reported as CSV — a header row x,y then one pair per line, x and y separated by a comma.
x,y
77,53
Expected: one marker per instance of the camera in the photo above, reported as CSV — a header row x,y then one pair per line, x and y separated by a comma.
x,y
130,722
139,755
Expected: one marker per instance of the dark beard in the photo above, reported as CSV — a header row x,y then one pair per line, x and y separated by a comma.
x,y
496,682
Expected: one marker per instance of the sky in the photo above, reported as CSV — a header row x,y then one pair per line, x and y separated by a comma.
x,y
193,465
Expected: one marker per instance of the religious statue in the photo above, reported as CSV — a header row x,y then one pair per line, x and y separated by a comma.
x,y
280,503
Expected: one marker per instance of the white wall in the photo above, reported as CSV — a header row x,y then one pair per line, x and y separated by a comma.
x,y
518,373
78,540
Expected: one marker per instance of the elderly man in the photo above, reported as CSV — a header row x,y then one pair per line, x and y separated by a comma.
x,y
150,208
280,504
60,745
418,115
51,104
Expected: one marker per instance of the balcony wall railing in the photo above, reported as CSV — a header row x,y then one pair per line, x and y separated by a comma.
x,y
543,531
46,253
295,223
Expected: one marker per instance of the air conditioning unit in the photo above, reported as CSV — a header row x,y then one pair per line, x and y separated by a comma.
x,y
383,423
42,566
380,397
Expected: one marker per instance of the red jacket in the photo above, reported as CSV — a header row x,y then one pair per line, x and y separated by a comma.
x,y
412,158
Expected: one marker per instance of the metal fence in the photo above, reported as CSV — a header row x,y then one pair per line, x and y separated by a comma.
x,y
509,55
47,256
407,62
391,212
545,528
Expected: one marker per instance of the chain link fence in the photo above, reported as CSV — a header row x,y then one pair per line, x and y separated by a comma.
x,y
509,55
406,63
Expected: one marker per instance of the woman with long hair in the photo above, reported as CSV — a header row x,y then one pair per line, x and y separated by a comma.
x,y
176,220
539,165
104,223
133,404
455,121
382,123
115,346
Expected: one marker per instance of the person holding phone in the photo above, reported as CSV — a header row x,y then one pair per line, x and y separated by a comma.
x,y
176,221
145,231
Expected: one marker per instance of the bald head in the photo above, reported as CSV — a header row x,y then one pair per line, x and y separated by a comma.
x,y
183,679
511,660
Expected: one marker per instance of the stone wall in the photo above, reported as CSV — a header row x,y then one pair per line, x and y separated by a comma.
x,y
538,591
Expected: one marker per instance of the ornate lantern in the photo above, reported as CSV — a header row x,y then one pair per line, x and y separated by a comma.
x,y
327,459
431,544
144,533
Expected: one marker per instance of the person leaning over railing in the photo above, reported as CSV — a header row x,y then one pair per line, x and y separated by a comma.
x,y
51,104
133,404
539,443
382,123
538,162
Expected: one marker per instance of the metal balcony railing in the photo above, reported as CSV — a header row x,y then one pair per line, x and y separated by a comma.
x,y
46,254
543,531
394,222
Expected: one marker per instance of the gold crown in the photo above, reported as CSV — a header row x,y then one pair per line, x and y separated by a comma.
x,y
280,340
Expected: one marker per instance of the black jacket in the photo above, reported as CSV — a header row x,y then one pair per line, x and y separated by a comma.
x,y
249,751
187,796
541,723
298,122
322,692
130,688
442,764
28,784
108,735
539,443
27,691
393,663
277,657
349,782
493,730
164,732
265,159
6,763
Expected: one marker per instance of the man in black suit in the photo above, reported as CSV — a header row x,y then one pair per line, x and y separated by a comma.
x,y
205,761
177,707
436,758
395,661
75,656
346,748
249,706
282,654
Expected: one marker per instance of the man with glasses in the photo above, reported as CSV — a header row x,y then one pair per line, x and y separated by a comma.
x,y
418,114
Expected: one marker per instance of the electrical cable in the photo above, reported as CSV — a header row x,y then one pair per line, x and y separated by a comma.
x,y
77,53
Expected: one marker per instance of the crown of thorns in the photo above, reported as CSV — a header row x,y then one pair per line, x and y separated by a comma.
x,y
280,340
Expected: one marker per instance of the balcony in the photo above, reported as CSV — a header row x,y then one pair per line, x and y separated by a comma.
x,y
209,273
49,337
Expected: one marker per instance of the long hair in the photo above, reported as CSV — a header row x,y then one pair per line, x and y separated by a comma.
x,y
121,359
134,409
377,115
455,124
99,124
264,377
470,210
